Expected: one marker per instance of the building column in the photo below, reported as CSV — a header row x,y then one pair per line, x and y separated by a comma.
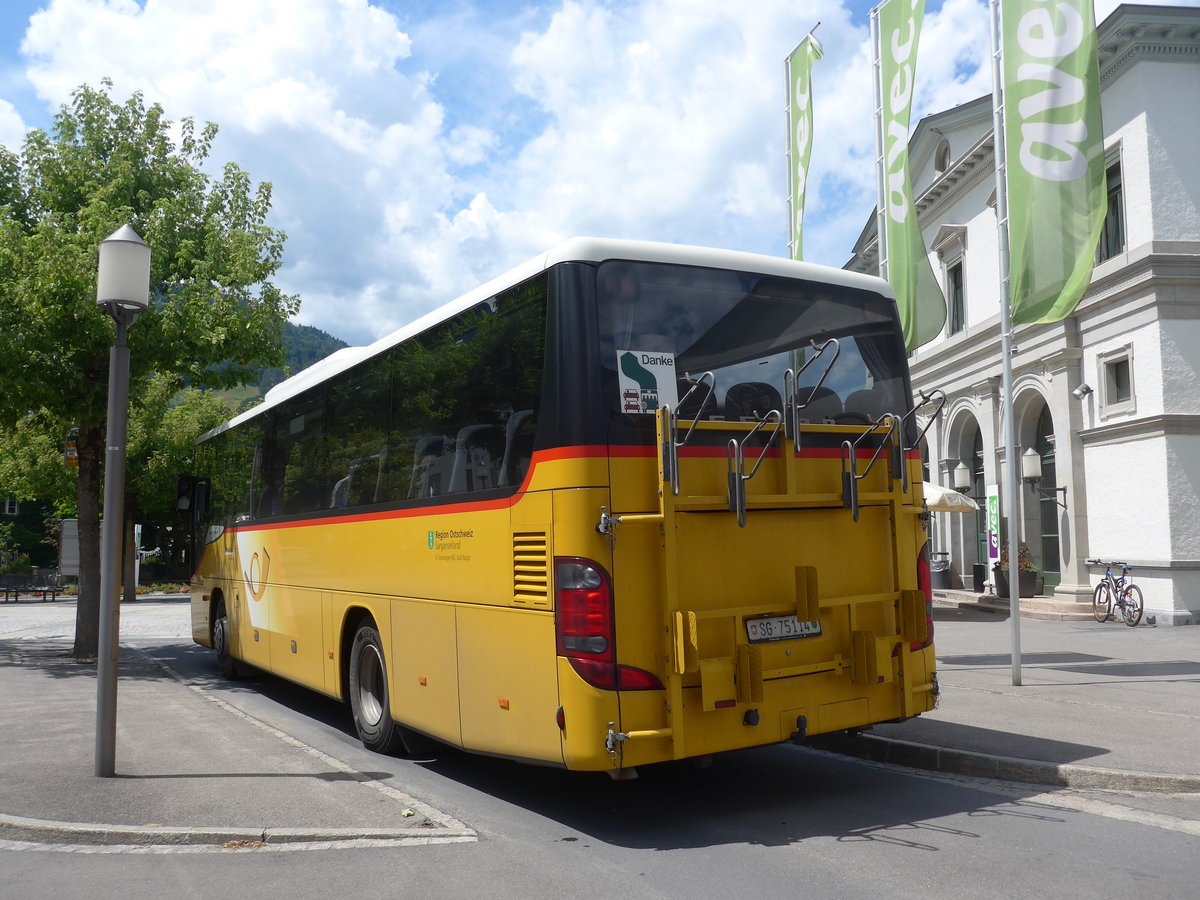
x,y
1064,373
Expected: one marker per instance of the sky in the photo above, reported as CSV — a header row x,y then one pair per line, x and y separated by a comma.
x,y
418,148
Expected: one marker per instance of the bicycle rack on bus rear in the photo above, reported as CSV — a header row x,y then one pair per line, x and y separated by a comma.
x,y
736,471
893,439
670,439
791,387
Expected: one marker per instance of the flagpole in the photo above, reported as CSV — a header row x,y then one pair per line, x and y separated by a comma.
x,y
880,174
1012,461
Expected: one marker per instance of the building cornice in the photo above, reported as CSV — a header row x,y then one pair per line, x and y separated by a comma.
x,y
1146,34
1142,428
1144,269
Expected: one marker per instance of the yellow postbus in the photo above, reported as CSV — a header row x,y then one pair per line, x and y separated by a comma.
x,y
628,503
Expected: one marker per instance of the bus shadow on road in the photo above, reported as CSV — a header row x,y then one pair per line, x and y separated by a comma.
x,y
769,796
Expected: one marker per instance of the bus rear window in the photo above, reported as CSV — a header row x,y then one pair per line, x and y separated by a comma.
x,y
660,323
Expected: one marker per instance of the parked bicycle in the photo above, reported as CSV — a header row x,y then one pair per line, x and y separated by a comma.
x,y
1115,593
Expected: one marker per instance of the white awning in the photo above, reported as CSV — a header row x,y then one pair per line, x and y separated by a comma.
x,y
941,499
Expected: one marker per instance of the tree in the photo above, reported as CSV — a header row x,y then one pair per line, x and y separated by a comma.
x,y
214,317
163,428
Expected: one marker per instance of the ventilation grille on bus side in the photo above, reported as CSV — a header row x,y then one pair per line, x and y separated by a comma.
x,y
531,569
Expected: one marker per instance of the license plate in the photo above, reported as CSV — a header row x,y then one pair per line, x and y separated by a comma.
x,y
780,628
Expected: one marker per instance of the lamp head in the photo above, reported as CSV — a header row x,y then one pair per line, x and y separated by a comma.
x,y
1031,466
123,275
962,478
1082,391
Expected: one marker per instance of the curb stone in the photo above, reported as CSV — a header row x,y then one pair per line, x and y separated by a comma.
x,y
50,832
1003,768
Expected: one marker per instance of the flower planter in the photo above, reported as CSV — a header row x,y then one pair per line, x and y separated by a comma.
x,y
1026,583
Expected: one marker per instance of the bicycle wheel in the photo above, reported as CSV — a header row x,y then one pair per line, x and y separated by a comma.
x,y
1131,611
1102,602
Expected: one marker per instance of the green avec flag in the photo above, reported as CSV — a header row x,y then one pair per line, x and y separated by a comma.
x,y
799,79
1054,144
922,306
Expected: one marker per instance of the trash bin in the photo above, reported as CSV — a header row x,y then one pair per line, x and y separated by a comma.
x,y
979,577
939,569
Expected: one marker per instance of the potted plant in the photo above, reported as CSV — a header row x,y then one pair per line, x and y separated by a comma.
x,y
1027,572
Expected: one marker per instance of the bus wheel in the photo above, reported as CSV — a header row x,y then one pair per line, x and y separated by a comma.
x,y
226,664
369,693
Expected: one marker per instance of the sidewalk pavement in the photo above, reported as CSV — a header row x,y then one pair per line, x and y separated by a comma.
x,y
1100,707
191,769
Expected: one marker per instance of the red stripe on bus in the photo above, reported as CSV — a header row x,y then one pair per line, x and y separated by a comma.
x,y
555,454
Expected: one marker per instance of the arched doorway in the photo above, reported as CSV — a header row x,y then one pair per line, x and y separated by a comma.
x,y
1048,504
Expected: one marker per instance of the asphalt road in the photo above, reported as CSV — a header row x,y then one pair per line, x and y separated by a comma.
x,y
776,822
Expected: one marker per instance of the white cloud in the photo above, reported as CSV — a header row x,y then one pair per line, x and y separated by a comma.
x,y
401,185
12,128
666,121
310,95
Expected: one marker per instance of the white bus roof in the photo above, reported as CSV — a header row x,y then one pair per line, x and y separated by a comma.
x,y
578,249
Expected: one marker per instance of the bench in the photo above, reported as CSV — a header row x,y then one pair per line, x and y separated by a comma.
x,y
14,586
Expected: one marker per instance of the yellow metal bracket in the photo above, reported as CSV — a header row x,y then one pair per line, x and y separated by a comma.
x,y
808,601
872,658
687,642
749,674
912,617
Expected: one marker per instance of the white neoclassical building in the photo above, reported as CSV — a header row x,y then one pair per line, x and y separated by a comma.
x,y
1109,398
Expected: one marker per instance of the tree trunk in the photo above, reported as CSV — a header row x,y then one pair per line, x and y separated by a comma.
x,y
90,444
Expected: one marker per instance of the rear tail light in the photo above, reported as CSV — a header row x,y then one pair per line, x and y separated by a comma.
x,y
925,584
584,629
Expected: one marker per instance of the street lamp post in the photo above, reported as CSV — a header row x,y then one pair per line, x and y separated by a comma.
x,y
123,290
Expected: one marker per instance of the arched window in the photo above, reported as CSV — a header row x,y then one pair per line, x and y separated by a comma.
x,y
941,158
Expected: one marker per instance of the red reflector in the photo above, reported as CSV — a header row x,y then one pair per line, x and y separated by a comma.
x,y
631,679
925,585
725,704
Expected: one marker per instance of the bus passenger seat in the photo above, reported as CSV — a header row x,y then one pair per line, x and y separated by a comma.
x,y
696,407
519,433
473,467
428,464
870,403
824,406
750,401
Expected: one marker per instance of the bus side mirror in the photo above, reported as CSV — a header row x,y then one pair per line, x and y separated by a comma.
x,y
184,489
192,496
201,496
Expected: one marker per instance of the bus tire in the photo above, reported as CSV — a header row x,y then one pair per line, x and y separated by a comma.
x,y
369,693
226,664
